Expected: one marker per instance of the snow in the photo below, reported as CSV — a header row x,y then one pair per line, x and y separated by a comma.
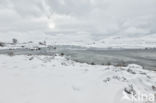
x,y
54,79
84,40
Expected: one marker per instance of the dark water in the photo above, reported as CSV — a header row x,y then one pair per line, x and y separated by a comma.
x,y
146,58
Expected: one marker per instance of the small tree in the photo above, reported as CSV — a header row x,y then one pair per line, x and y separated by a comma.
x,y
14,41
2,44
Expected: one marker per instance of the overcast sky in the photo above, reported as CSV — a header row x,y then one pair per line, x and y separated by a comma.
x,y
97,17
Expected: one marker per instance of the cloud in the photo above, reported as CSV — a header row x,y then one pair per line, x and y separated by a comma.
x,y
98,17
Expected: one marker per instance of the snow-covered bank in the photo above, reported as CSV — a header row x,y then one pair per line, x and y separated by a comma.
x,y
48,79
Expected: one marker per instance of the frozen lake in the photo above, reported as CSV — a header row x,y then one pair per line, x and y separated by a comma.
x,y
145,58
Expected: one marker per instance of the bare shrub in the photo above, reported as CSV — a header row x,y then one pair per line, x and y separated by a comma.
x,y
92,63
42,43
11,54
29,55
109,63
130,90
38,48
107,79
154,88
64,64
103,64
54,47
62,54
121,64
131,71
31,58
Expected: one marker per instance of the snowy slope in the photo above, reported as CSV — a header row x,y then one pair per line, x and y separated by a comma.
x,y
85,40
54,79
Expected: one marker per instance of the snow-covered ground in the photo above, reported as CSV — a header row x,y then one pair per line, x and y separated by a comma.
x,y
84,40
55,79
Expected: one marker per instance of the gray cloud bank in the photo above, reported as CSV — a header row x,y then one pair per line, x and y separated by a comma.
x,y
97,17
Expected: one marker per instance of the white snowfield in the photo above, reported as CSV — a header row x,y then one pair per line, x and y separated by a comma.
x,y
48,79
84,40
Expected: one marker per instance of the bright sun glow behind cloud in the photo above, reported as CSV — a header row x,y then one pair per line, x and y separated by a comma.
x,y
99,18
51,25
